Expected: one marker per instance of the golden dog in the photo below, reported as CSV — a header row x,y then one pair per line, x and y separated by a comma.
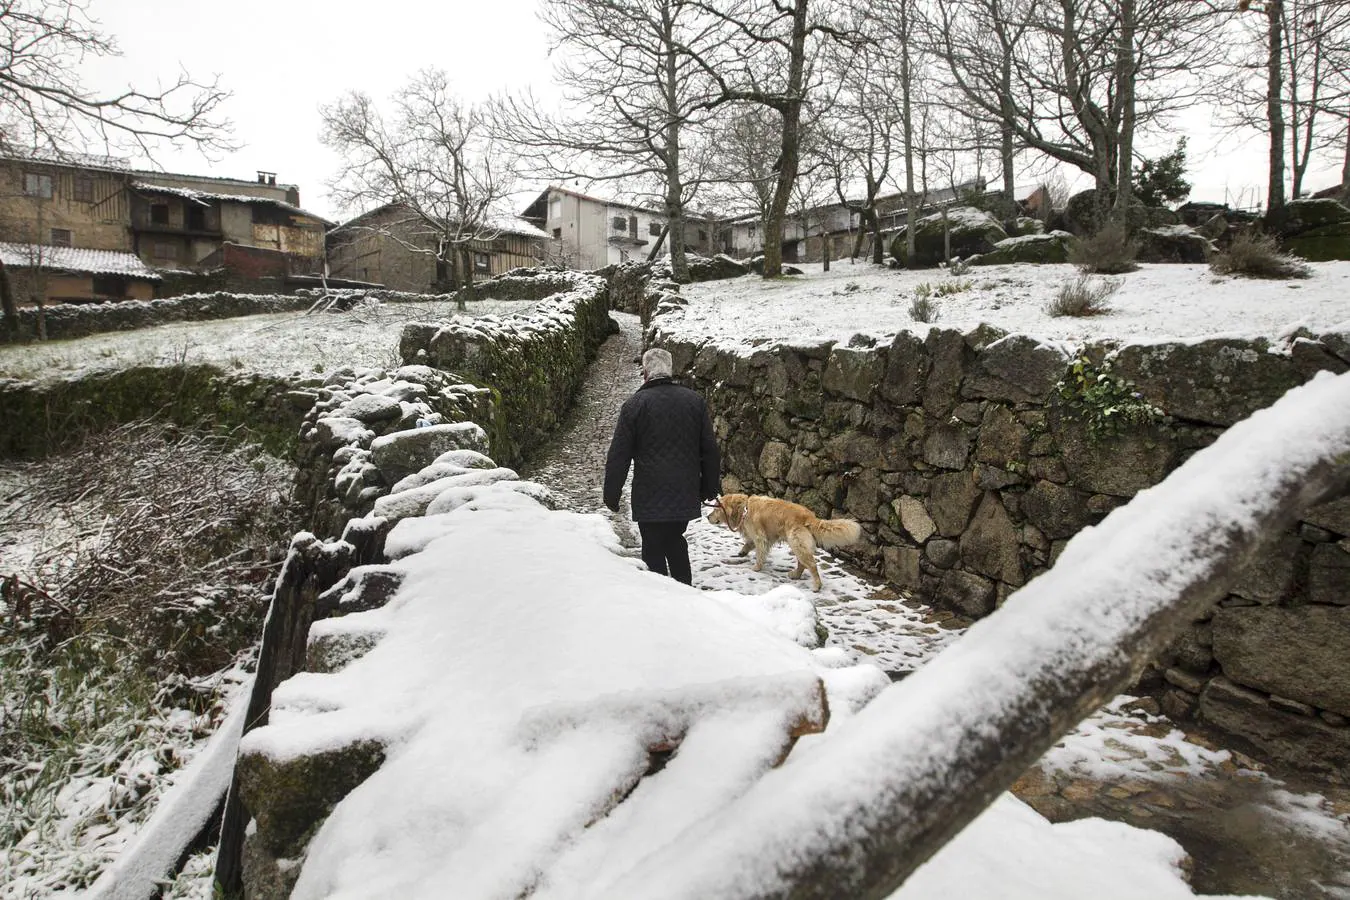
x,y
764,521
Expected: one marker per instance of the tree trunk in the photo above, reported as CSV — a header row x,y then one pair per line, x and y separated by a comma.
x,y
1125,75
878,251
1345,166
9,324
1275,213
790,108
679,262
825,250
907,124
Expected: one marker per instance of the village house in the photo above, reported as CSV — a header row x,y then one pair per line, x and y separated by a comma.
x,y
805,232
587,232
134,227
394,248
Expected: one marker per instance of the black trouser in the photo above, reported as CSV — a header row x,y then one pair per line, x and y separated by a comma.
x,y
665,550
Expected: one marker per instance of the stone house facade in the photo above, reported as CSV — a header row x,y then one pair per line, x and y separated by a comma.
x,y
392,247
587,232
156,220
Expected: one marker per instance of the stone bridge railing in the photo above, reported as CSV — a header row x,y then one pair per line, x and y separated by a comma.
x,y
972,458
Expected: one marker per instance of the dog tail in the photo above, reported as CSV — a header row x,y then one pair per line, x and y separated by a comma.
x,y
835,532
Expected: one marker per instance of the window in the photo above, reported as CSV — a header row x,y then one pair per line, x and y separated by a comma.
x,y
557,234
482,262
159,214
702,236
632,225
620,223
35,185
555,208
654,229
752,229
196,218
165,250
84,189
110,286
61,237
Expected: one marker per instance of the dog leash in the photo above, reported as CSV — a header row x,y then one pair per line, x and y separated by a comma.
x,y
717,504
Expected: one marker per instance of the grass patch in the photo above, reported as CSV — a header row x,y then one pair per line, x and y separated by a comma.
x,y
135,572
1084,296
1256,255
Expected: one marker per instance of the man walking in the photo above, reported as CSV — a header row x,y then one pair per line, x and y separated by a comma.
x,y
664,430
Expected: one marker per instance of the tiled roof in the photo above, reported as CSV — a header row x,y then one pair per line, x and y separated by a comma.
x,y
76,259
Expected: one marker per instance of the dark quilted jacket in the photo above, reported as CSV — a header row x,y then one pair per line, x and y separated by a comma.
x,y
665,431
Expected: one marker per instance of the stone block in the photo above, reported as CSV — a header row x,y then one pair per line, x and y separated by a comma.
x,y
947,447
914,517
1269,577
775,459
1329,574
902,566
943,553
906,370
854,373
1333,516
1016,369
1058,511
404,452
966,592
289,797
1219,381
1303,741
1121,465
1003,440
947,350
951,500
1298,652
990,544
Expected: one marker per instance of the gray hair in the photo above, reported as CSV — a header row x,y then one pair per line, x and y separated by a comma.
x,y
656,363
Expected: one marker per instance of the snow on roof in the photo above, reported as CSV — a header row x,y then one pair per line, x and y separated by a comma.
x,y
507,223
76,259
203,196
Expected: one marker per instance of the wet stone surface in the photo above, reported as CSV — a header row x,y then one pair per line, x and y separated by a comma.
x,y
1248,829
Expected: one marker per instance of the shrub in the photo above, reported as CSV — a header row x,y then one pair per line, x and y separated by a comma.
x,y
1256,255
1105,403
922,308
1108,252
1083,296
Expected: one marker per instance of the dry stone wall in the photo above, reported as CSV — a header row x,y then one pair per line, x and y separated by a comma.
x,y
972,458
532,363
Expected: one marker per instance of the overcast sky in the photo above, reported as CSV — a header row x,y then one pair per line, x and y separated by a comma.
x,y
283,58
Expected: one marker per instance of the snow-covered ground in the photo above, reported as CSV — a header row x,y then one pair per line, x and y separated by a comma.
x,y
1010,851
1155,303
568,612
278,343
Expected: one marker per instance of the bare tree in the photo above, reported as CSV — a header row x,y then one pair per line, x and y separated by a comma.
x,y
764,55
433,165
45,109
1078,79
1291,83
862,134
636,99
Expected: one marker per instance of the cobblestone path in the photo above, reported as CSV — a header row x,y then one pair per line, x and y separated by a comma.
x,y
1249,830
